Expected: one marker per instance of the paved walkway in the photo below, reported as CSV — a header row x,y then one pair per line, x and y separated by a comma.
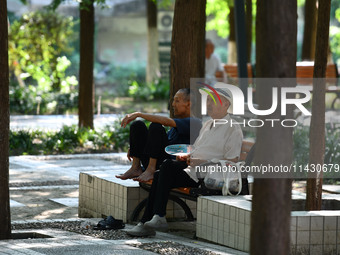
x,y
68,243
54,122
53,180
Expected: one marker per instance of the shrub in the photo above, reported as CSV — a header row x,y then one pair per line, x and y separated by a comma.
x,y
149,91
69,139
120,76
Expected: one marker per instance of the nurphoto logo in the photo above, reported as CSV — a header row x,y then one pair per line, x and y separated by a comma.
x,y
238,104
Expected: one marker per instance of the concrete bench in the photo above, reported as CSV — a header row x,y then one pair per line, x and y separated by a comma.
x,y
181,196
102,194
227,221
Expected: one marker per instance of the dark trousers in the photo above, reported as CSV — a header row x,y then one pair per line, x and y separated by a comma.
x,y
170,175
148,143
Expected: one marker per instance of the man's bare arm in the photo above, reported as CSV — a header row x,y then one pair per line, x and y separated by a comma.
x,y
149,117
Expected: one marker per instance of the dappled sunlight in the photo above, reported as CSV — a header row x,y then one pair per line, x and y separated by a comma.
x,y
54,214
35,205
42,193
73,194
12,196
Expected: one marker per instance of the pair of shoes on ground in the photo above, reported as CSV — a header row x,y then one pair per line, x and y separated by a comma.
x,y
149,227
109,223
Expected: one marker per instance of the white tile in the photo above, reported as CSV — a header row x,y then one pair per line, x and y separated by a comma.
x,y
240,243
220,237
226,226
226,239
247,231
246,245
221,210
293,237
215,222
210,220
232,241
199,217
241,216
209,233
204,219
303,223
317,223
241,229
329,237
232,227
210,207
199,205
215,208
247,217
226,211
302,237
330,223
233,213
198,230
214,235
293,223
204,232
204,205
316,237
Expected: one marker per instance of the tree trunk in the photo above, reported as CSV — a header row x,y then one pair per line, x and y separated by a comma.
x,y
5,218
317,126
232,51
276,29
249,25
309,33
86,86
187,44
152,68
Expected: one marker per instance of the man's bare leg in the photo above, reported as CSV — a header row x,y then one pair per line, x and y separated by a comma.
x,y
147,175
134,171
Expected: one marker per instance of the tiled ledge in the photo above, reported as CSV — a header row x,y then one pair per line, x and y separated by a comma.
x,y
102,194
226,221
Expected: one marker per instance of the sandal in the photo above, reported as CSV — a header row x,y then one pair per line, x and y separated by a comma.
x,y
109,223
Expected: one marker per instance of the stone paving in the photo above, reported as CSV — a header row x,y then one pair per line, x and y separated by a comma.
x,y
64,242
26,172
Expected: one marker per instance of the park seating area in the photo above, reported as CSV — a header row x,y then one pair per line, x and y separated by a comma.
x,y
220,219
102,194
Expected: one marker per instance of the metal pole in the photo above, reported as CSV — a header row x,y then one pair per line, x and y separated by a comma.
x,y
241,44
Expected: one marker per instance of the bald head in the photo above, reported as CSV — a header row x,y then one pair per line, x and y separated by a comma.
x,y
209,48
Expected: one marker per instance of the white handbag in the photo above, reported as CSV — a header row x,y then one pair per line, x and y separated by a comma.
x,y
228,178
232,179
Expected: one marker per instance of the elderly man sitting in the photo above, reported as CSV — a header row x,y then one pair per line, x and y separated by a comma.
x,y
213,142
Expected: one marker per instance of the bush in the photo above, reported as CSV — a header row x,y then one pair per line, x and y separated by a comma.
x,y
46,64
332,147
149,91
28,100
70,139
39,83
120,76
